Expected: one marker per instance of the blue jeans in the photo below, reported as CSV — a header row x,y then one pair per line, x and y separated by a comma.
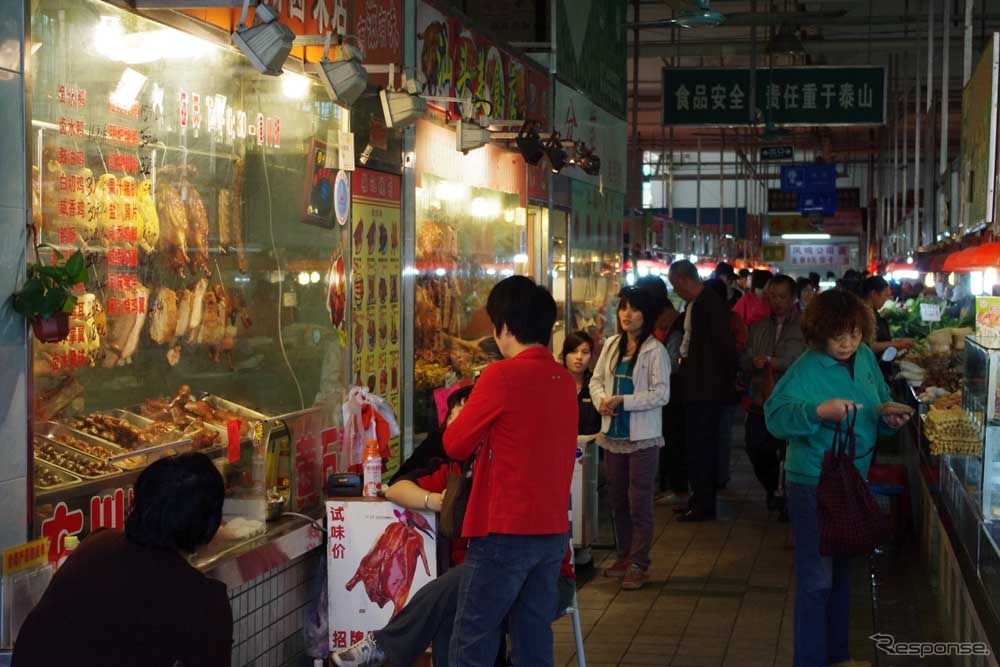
x,y
507,575
822,587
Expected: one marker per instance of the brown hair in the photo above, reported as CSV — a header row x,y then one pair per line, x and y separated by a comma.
x,y
835,312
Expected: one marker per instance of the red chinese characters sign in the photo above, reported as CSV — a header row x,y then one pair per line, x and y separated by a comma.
x,y
378,26
457,62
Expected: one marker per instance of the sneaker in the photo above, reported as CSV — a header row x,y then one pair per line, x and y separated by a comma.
x,y
365,653
618,570
634,578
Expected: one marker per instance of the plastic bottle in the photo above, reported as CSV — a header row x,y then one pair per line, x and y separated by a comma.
x,y
373,469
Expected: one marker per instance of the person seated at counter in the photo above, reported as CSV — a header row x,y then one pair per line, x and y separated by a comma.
x,y
429,616
432,447
131,598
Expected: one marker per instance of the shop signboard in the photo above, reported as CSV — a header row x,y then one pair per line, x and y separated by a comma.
x,y
988,316
774,253
591,49
578,118
824,203
787,95
378,556
818,255
377,252
776,153
979,138
809,178
455,61
378,27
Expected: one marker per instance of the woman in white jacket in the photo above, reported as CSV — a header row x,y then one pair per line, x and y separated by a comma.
x,y
631,384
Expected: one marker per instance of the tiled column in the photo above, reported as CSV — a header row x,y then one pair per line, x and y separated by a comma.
x,y
14,215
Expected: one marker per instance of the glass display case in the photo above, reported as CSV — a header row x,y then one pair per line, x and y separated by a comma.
x,y
213,314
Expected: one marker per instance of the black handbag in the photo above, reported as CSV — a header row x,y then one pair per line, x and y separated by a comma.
x,y
456,500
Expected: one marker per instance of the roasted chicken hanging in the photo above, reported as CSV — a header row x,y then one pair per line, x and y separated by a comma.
x,y
173,226
197,232
387,570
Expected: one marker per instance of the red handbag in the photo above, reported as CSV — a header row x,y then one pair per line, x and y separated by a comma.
x,y
850,520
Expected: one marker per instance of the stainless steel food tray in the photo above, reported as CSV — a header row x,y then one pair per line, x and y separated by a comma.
x,y
54,431
70,452
235,408
66,479
153,451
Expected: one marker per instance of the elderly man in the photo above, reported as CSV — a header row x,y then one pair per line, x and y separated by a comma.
x,y
708,370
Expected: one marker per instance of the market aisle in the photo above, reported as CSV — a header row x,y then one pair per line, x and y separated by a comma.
x,y
720,593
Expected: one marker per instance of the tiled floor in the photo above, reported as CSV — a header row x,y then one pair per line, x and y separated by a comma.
x,y
720,594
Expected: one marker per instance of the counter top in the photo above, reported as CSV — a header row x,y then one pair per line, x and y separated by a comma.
x,y
238,562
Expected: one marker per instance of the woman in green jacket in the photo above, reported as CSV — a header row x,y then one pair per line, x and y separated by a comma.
x,y
837,373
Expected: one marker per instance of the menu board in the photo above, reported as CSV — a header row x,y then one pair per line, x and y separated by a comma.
x,y
987,316
377,282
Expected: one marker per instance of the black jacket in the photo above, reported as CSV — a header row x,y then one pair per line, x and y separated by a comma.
x,y
709,370
590,418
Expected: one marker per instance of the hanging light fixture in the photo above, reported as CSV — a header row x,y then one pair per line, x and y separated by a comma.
x,y
556,153
344,77
786,42
530,143
267,42
586,160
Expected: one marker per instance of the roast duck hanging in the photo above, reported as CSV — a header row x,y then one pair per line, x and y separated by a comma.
x,y
387,570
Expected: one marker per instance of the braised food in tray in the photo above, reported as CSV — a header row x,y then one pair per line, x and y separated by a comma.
x,y
123,433
96,450
75,462
48,478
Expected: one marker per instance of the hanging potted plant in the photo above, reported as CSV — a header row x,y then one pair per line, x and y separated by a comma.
x,y
47,299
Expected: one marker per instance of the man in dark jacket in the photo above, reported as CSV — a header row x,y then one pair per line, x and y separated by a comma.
x,y
775,343
708,369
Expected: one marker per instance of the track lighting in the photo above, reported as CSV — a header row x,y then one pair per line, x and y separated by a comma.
x,y
267,42
530,143
556,153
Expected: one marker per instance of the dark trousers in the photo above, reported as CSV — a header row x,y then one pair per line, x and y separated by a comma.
x,y
673,454
630,480
765,451
702,435
428,618
512,577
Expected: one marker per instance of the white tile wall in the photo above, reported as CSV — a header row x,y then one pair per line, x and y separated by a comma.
x,y
268,613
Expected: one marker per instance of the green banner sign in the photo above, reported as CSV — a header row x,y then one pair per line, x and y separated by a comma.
x,y
785,95
591,45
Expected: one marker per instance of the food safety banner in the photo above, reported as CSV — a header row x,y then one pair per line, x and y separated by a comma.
x,y
818,255
378,556
786,95
377,277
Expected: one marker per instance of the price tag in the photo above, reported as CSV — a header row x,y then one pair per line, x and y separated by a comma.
x,y
930,312
25,556
233,433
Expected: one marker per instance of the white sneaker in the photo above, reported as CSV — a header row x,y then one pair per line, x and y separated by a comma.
x,y
365,653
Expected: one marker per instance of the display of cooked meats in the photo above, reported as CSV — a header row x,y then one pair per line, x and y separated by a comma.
x,y
125,330
124,433
74,462
197,233
236,220
173,226
164,316
97,451
46,478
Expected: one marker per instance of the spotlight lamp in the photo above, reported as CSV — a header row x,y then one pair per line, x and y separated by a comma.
x,y
556,153
267,42
402,107
530,143
344,78
586,160
469,136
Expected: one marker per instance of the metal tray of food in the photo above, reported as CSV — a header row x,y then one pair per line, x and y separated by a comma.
x,y
137,433
72,461
237,409
49,478
89,444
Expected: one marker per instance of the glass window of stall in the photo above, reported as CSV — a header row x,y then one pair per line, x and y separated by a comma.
x,y
199,193
472,232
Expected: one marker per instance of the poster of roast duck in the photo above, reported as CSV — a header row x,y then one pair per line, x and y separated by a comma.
x,y
379,555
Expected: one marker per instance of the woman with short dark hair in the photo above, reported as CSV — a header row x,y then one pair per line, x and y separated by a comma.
x,y
132,598
836,374
577,352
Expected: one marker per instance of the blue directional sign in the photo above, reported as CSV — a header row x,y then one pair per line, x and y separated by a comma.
x,y
809,178
817,202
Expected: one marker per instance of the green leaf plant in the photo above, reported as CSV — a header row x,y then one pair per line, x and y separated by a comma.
x,y
48,290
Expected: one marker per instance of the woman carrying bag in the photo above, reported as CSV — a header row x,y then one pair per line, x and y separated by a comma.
x,y
838,377
630,386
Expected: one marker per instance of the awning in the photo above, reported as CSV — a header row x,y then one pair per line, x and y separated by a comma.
x,y
974,258
892,267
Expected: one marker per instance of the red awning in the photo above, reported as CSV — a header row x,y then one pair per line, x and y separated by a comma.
x,y
974,258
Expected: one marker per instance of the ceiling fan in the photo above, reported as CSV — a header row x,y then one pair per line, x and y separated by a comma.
x,y
698,14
